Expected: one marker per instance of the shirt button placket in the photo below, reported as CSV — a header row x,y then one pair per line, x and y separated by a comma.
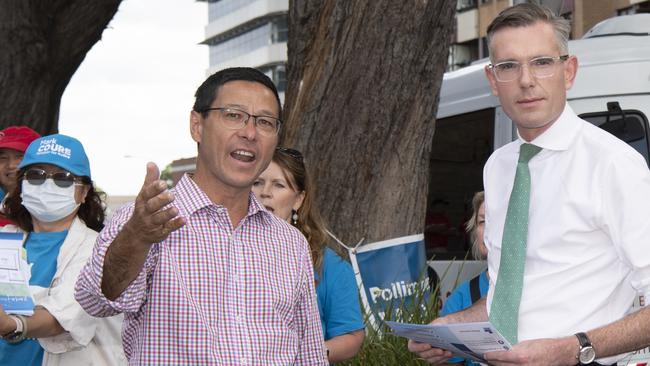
x,y
240,307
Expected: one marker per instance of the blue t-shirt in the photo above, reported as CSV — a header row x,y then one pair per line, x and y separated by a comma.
x,y
42,250
2,194
338,297
461,299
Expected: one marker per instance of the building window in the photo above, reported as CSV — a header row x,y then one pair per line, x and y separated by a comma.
x,y
639,8
279,30
463,54
271,32
221,8
463,5
277,73
280,78
241,44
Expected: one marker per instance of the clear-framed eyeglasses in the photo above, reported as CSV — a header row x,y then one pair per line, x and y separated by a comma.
x,y
235,119
539,67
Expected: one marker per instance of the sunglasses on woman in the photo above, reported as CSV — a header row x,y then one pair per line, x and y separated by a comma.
x,y
291,152
37,177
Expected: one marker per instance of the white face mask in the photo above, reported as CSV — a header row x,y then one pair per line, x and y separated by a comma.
x,y
48,202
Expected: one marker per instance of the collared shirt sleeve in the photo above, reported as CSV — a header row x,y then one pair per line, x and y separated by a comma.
x,y
88,288
312,349
626,200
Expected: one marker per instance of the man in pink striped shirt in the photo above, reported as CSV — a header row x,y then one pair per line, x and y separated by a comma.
x,y
204,274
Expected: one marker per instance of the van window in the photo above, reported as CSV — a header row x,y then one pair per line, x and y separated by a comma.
x,y
631,126
461,146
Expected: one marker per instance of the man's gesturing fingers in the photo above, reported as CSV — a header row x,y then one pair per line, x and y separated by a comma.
x,y
152,186
163,216
151,221
157,202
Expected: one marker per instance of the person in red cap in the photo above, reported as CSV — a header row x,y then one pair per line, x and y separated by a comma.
x,y
13,143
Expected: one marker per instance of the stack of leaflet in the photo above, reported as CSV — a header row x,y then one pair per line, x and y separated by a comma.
x,y
15,296
466,340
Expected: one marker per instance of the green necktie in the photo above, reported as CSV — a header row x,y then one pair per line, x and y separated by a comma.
x,y
504,312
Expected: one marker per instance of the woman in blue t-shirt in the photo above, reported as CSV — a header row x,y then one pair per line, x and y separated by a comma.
x,y
286,190
56,207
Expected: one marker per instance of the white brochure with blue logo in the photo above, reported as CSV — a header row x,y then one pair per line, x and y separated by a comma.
x,y
466,340
15,295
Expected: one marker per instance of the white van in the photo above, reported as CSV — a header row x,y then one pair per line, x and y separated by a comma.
x,y
612,90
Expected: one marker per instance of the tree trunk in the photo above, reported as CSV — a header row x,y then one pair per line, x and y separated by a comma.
x,y
41,45
363,85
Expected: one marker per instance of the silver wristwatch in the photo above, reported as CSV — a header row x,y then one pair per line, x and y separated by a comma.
x,y
587,353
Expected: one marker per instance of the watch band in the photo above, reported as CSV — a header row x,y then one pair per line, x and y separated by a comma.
x,y
583,339
586,354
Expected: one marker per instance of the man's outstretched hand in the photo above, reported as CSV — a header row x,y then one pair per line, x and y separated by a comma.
x,y
151,221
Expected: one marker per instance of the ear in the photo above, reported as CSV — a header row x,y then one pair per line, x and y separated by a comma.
x,y
83,193
299,200
196,126
492,80
570,71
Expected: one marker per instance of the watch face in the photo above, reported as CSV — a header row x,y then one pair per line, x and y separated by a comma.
x,y
587,355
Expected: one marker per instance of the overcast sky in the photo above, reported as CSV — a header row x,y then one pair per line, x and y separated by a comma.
x,y
129,101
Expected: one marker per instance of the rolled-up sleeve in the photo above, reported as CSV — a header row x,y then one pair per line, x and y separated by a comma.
x,y
626,199
88,288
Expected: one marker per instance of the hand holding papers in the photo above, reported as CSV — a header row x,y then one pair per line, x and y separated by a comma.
x,y
15,296
467,340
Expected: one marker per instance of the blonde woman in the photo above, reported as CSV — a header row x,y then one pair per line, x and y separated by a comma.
x,y
469,292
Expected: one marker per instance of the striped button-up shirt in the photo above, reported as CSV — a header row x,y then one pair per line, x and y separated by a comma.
x,y
214,294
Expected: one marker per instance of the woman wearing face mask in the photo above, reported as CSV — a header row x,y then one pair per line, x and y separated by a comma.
x,y
285,189
57,208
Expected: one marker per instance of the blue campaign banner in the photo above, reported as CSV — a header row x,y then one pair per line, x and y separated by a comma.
x,y
391,271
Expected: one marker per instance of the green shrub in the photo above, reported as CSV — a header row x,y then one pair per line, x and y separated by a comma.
x,y
380,347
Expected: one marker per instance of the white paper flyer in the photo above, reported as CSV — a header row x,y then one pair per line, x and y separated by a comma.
x,y
15,296
467,340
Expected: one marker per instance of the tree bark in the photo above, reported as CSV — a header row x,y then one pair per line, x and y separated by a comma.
x,y
41,45
363,84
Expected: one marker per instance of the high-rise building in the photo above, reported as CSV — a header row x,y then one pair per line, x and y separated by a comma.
x,y
251,33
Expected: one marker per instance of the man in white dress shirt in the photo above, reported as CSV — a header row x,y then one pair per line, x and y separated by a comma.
x,y
587,254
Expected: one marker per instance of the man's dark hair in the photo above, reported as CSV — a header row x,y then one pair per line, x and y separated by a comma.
x,y
207,92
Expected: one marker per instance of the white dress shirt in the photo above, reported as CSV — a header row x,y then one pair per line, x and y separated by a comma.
x,y
587,251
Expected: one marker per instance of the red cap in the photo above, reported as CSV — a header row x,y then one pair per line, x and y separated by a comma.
x,y
17,138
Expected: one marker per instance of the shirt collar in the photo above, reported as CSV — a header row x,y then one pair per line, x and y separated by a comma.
x,y
255,206
561,134
194,199
189,197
